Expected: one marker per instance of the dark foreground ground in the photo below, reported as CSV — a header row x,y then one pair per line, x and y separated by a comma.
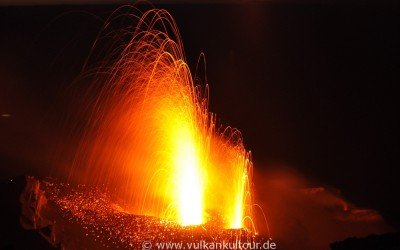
x,y
385,241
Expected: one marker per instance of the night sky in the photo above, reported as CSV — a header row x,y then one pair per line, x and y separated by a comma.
x,y
312,86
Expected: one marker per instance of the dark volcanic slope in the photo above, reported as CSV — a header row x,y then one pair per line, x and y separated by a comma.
x,y
390,241
12,235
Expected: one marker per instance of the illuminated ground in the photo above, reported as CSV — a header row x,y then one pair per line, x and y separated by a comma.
x,y
87,218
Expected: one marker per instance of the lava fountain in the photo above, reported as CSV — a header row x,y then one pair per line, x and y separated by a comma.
x,y
150,138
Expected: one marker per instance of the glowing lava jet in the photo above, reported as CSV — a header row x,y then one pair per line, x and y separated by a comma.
x,y
150,138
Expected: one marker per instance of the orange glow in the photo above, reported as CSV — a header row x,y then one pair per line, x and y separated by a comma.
x,y
151,139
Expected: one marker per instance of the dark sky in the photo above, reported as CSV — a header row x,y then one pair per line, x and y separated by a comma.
x,y
312,86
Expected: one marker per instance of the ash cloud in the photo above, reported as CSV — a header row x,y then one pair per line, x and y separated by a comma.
x,y
305,215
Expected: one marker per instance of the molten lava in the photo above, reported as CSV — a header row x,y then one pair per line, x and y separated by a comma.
x,y
150,138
